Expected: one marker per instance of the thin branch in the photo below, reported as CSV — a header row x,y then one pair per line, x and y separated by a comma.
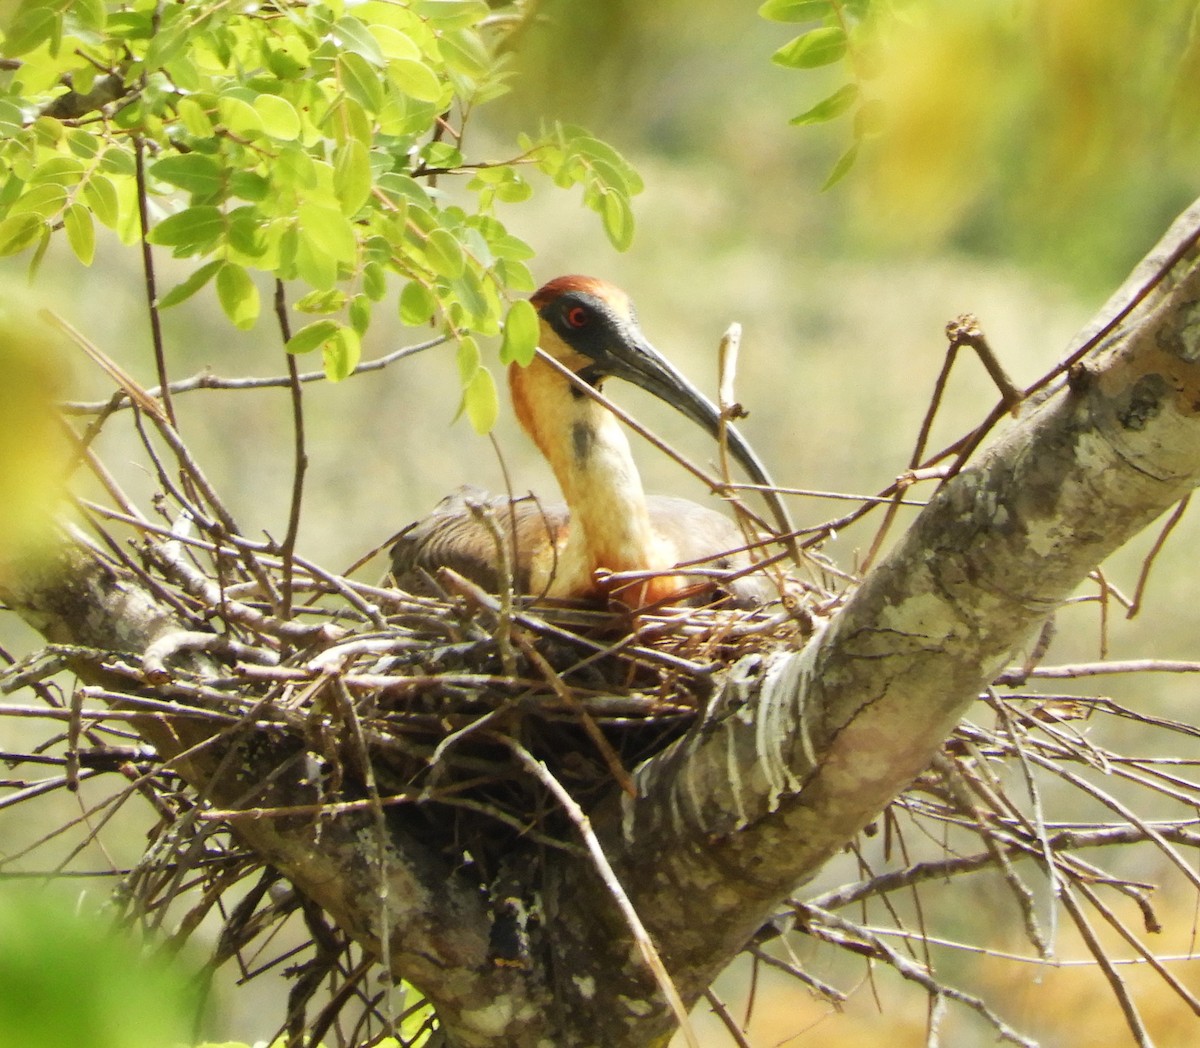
x,y
1161,540
299,455
205,380
835,929
602,866
1132,1018
156,335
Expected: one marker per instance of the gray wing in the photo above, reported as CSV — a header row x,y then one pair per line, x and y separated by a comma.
x,y
454,536
700,533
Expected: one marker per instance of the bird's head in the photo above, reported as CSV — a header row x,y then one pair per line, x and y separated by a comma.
x,y
590,326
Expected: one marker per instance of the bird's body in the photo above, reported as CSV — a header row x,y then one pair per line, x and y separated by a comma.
x,y
608,524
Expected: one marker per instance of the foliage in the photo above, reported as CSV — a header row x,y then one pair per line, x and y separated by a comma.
x,y
1007,124
306,142
68,979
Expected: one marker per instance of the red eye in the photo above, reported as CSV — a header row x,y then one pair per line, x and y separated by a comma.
x,y
577,316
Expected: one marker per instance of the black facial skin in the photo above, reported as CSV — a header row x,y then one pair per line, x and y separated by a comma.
x,y
617,348
600,327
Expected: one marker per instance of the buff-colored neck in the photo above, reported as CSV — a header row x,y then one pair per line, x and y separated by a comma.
x,y
591,459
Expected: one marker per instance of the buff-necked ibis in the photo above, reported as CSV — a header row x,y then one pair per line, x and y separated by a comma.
x,y
608,523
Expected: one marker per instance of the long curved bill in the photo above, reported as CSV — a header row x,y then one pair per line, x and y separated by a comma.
x,y
636,360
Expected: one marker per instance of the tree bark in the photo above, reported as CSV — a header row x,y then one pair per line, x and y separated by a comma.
x,y
797,750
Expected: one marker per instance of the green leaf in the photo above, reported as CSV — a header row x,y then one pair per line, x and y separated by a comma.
x,y
59,170
828,108
196,173
193,230
18,231
355,38
81,234
521,331
195,118
100,195
312,336
393,42
468,358
818,47
481,402
329,230
352,179
321,302
445,254
374,281
342,354
239,116
452,14
360,81
514,191
238,295
618,220
465,53
33,26
844,164
88,14
46,200
415,79
795,10
279,119
416,304
181,292
359,313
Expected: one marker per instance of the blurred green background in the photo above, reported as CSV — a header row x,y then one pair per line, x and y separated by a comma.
x,y
1028,156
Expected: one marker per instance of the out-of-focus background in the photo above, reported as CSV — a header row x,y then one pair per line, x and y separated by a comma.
x,y
1028,158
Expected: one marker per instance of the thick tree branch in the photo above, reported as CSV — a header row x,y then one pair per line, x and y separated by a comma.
x,y
800,750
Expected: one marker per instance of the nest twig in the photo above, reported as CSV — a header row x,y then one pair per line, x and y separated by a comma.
x,y
438,705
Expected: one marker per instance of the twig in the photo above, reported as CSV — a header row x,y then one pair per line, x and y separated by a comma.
x,y
730,1023
160,353
826,923
299,455
1139,590
205,380
1132,1019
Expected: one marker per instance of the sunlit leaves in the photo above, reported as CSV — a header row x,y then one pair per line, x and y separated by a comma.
x,y
278,116
817,47
360,80
340,346
19,231
480,402
196,173
81,233
843,35
341,354
298,143
191,231
352,177
312,336
609,182
184,290
238,295
520,334
795,10
444,254
417,305
829,108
